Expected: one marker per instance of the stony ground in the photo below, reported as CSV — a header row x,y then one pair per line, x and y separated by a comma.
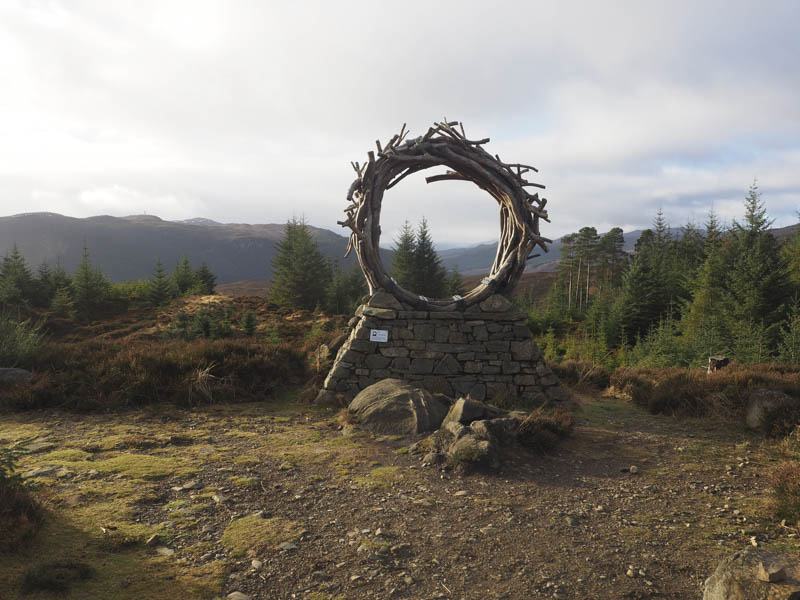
x,y
277,501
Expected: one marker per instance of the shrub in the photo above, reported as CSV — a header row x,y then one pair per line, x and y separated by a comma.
x,y
785,487
118,373
20,514
543,429
20,341
581,372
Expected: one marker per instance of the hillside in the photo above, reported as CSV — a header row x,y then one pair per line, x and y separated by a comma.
x,y
126,248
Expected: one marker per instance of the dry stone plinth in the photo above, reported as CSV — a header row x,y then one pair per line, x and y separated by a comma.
x,y
485,352
396,407
755,574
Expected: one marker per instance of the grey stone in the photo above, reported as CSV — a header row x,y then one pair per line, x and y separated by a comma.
x,y
394,352
496,303
256,564
377,361
447,316
424,332
237,596
456,337
480,333
763,404
421,366
379,313
472,451
478,391
363,345
465,411
736,577
351,356
401,364
382,299
164,551
442,334
396,407
287,546
497,346
438,385
9,375
522,350
448,366
509,368
472,366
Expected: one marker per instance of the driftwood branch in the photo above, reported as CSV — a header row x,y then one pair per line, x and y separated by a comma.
x,y
445,144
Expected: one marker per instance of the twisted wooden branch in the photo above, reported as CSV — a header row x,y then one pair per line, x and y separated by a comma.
x,y
445,145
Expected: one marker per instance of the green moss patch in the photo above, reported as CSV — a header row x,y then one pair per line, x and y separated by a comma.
x,y
144,466
254,534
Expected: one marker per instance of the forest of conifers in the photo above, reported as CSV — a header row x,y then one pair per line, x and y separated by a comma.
x,y
678,298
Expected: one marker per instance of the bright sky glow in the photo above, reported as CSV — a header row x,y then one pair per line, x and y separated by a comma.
x,y
252,111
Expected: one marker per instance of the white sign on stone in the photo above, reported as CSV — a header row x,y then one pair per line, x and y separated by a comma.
x,y
378,335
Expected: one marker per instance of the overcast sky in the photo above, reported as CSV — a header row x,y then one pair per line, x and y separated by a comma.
x,y
252,111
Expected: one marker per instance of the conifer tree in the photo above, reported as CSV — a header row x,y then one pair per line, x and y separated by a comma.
x,y
90,287
16,282
454,284
429,274
345,290
161,288
300,272
403,267
206,280
639,305
757,284
791,255
62,304
184,276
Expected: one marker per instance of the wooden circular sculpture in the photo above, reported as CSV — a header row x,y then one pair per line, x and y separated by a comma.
x,y
445,144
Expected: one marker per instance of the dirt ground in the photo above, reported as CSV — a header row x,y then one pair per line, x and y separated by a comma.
x,y
276,501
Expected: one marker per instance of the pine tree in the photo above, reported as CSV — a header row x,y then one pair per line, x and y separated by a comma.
x,y
639,305
161,288
206,280
90,287
248,322
789,342
403,267
454,284
184,276
345,290
300,272
791,254
612,258
62,304
17,285
757,284
429,274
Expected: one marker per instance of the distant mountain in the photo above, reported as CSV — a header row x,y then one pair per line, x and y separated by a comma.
x,y
126,248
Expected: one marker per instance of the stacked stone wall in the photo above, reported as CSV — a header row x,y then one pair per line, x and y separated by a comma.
x,y
485,351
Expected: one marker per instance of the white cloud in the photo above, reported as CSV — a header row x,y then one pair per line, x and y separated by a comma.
x,y
251,111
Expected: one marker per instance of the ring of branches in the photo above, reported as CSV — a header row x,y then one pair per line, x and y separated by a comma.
x,y
445,144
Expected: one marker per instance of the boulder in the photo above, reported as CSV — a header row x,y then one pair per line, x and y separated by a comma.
x,y
466,410
764,406
10,375
397,407
754,574
471,451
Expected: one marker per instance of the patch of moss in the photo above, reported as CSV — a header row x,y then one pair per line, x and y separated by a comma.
x,y
66,455
384,476
243,481
144,466
255,534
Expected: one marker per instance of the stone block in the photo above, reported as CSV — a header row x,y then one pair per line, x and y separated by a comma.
x,y
377,361
451,348
480,333
525,379
448,366
385,314
446,316
414,344
401,364
424,331
497,346
425,354
478,392
394,352
442,334
465,356
496,304
473,366
383,299
522,350
421,366
456,337
351,356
